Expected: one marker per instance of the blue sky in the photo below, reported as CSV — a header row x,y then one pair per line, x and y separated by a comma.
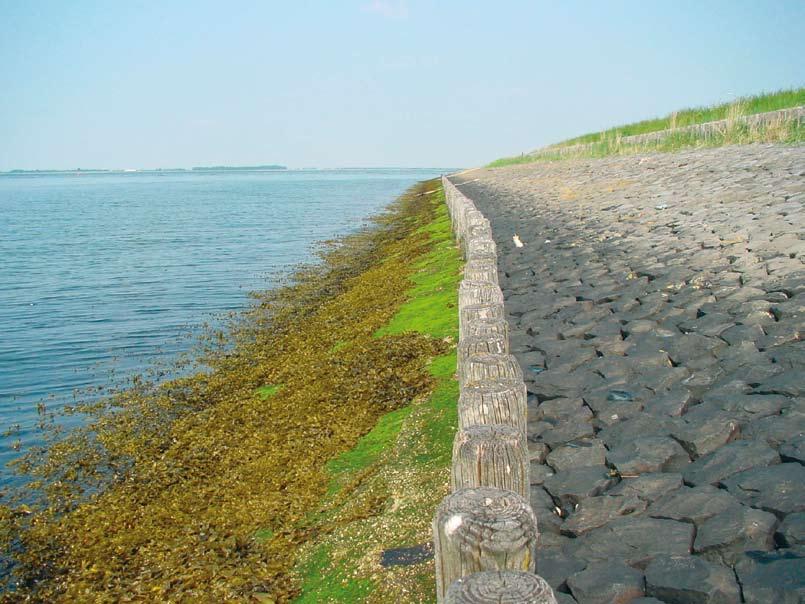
x,y
365,82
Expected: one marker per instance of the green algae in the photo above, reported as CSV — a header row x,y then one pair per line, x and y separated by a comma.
x,y
266,391
402,465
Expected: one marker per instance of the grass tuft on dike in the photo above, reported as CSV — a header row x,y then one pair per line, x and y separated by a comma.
x,y
610,142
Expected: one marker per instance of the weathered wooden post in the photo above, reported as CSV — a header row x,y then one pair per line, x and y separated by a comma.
x,y
486,344
474,312
493,402
491,456
488,367
482,529
478,246
486,326
501,587
481,271
478,292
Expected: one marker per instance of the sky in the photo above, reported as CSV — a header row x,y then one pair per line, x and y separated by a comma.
x,y
412,83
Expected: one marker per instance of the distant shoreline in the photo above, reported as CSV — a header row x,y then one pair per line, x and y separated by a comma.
x,y
272,167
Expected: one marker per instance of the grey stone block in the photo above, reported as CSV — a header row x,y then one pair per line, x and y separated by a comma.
x,y
577,454
636,541
567,431
774,577
779,489
706,429
673,403
563,409
643,424
730,459
791,531
777,430
648,454
594,512
539,472
724,537
691,580
794,450
694,504
648,487
606,582
555,566
571,486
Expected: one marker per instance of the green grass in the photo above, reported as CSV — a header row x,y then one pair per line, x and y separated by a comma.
x,y
608,142
401,467
760,103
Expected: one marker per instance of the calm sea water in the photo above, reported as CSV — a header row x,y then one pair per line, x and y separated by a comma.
x,y
106,272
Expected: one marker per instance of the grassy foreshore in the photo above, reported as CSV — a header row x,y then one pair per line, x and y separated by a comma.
x,y
611,141
319,437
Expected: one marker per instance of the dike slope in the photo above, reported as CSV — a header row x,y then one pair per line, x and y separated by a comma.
x,y
657,310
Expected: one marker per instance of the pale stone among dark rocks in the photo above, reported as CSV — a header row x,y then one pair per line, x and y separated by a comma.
x,y
577,454
555,566
730,459
694,504
691,580
774,577
649,454
636,541
706,430
606,582
573,485
648,487
724,537
594,512
791,531
779,489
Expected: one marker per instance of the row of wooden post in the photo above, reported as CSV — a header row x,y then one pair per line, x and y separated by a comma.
x,y
485,532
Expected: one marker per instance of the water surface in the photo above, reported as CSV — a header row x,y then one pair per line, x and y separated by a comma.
x,y
103,272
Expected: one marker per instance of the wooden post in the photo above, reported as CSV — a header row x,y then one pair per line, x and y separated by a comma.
x,y
488,344
481,255
483,327
493,402
481,271
488,367
482,529
500,587
473,312
477,245
491,456
478,292
480,230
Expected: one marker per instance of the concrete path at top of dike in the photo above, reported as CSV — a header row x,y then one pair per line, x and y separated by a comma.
x,y
657,308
